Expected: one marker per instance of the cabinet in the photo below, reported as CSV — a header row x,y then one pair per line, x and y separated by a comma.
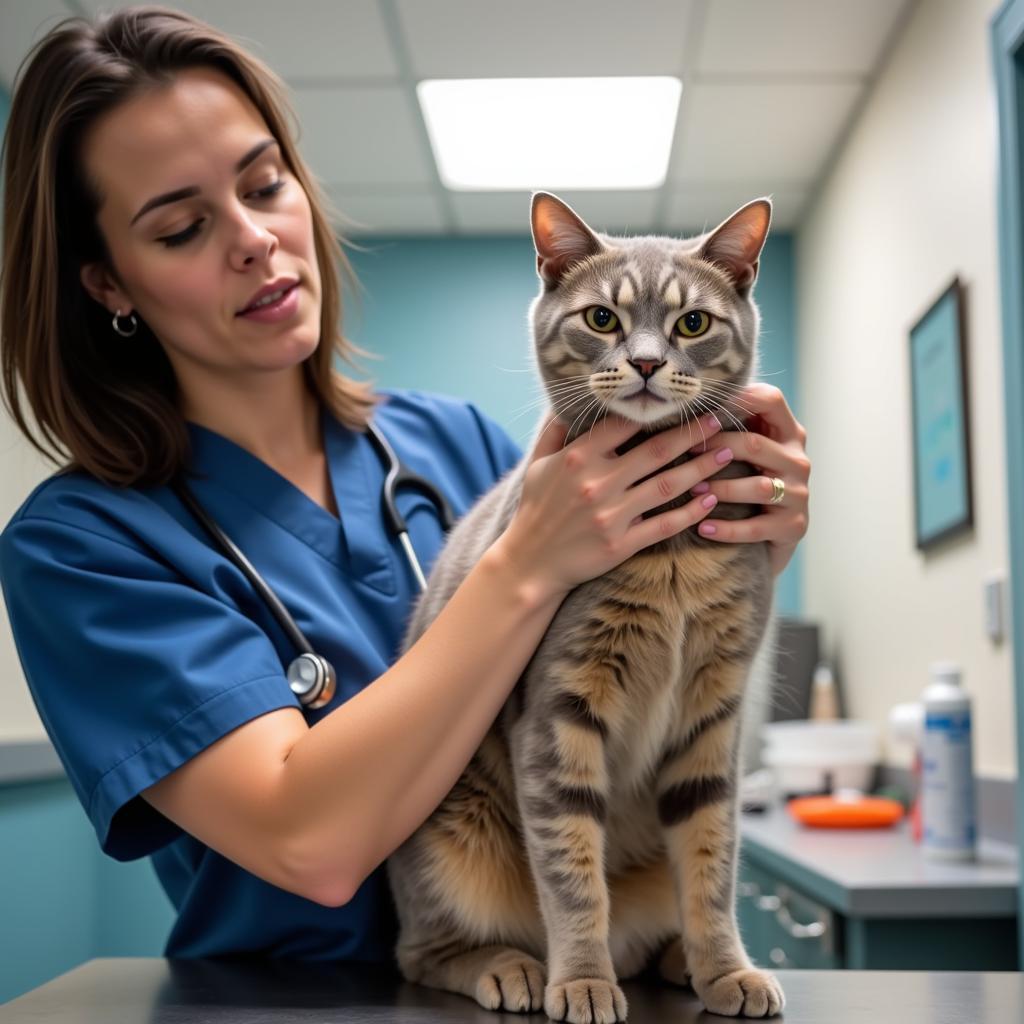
x,y
783,926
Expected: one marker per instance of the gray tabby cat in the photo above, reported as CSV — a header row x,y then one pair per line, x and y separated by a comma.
x,y
605,793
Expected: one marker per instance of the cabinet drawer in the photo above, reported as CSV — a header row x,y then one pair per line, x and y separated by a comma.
x,y
783,927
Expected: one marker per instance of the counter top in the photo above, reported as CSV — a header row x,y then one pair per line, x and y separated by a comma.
x,y
881,872
158,991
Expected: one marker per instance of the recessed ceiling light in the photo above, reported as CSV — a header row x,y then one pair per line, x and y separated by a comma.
x,y
530,133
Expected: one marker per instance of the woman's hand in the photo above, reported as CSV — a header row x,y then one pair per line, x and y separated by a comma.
x,y
579,513
773,443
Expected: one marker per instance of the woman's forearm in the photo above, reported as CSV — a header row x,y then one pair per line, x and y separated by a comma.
x,y
368,774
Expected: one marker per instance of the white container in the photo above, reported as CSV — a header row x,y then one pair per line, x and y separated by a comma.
x,y
813,757
947,772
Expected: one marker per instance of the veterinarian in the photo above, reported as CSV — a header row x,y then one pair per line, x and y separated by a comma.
x,y
170,303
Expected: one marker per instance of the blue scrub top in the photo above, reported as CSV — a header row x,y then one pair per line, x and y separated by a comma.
x,y
142,644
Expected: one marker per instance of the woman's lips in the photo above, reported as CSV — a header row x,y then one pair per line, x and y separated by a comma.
x,y
273,312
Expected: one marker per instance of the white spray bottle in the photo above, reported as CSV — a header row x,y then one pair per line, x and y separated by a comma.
x,y
947,771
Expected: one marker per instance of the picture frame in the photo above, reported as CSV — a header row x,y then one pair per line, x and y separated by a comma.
x,y
943,497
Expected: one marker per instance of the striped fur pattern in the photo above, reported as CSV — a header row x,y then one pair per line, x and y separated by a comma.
x,y
595,829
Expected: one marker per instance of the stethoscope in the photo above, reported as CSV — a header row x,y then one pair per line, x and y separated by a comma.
x,y
310,675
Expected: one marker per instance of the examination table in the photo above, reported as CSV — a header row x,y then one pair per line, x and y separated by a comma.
x,y
159,991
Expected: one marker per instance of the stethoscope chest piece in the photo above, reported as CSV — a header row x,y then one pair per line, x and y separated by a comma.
x,y
311,679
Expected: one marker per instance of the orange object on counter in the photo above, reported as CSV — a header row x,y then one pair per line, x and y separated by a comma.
x,y
835,812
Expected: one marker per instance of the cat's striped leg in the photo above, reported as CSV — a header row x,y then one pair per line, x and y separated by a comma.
x,y
698,809
563,787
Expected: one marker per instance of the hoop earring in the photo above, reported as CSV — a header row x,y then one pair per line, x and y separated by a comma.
x,y
120,330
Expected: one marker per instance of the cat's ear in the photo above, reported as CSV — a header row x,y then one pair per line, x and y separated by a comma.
x,y
736,243
559,236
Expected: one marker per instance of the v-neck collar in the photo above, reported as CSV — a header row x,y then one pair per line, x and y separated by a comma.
x,y
355,540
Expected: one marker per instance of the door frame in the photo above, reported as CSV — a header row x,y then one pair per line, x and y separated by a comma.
x,y
1007,39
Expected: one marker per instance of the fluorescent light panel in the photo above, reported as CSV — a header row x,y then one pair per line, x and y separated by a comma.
x,y
547,133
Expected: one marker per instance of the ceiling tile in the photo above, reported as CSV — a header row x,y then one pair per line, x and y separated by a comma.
x,y
362,135
507,212
470,38
785,131
793,37
612,212
311,39
24,24
399,213
694,211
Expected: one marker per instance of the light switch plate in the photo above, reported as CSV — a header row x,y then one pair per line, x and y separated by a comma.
x,y
994,591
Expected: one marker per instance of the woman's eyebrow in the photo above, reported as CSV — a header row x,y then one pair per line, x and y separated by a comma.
x,y
193,190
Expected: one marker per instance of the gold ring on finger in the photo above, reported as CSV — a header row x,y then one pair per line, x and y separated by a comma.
x,y
778,491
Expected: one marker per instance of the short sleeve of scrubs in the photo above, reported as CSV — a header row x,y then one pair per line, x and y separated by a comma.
x,y
151,670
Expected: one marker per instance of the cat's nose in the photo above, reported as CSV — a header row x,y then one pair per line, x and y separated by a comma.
x,y
646,366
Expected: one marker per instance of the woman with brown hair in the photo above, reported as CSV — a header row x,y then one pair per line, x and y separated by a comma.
x,y
170,305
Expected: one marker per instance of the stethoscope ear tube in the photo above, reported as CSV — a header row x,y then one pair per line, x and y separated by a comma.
x,y
310,676
397,475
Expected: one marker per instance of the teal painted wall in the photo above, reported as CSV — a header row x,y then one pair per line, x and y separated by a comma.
x,y
451,315
47,866
61,900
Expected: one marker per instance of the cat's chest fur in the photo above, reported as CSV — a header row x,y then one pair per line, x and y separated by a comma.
x,y
635,642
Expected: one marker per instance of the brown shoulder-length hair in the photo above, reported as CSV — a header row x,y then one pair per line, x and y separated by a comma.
x,y
102,404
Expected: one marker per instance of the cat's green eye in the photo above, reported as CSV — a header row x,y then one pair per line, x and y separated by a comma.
x,y
693,324
601,319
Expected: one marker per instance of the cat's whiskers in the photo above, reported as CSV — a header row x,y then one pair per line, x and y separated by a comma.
x,y
567,396
590,405
723,396
543,390
587,386
724,386
564,409
566,380
600,413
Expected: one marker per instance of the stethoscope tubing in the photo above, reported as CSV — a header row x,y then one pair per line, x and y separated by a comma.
x,y
311,676
399,475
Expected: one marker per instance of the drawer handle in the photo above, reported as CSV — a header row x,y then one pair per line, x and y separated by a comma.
x,y
796,930
769,903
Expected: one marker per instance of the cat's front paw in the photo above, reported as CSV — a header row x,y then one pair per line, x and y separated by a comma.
x,y
513,981
585,1001
746,992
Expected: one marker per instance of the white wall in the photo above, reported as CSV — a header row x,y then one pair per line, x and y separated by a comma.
x,y
910,201
21,468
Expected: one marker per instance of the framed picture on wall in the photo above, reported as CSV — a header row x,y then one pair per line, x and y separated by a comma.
x,y
942,450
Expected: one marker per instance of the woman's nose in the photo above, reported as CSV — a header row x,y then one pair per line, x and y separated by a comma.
x,y
252,241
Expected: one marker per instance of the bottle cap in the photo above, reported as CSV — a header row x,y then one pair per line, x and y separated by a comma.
x,y
823,675
947,672
944,686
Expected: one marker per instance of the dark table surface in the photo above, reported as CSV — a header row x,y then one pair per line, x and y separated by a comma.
x,y
158,991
